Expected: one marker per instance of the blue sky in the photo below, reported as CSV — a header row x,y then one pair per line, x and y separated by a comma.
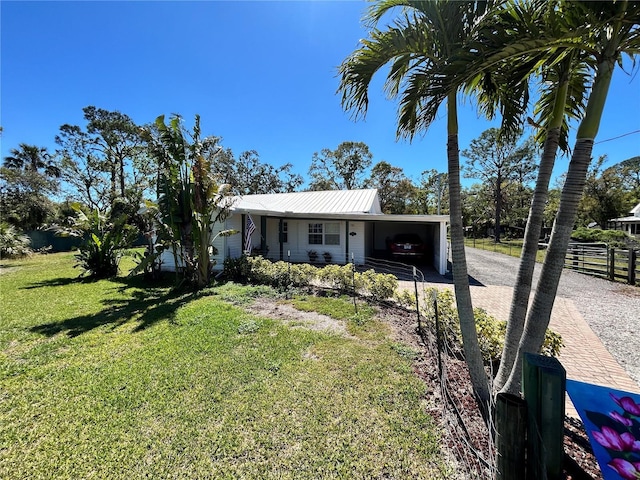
x,y
262,75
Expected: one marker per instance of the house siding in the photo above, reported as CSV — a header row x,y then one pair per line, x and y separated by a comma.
x,y
168,261
357,242
298,246
233,245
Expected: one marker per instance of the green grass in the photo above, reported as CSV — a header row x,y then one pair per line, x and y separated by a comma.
x,y
506,247
117,379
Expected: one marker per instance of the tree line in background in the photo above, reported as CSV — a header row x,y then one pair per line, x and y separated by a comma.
x,y
109,165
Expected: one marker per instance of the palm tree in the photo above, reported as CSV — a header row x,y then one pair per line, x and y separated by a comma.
x,y
553,41
562,97
423,39
31,158
613,31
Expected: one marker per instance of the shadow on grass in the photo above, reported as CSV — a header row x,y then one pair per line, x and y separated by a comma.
x,y
146,305
59,282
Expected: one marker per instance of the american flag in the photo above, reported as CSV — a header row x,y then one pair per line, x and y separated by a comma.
x,y
249,230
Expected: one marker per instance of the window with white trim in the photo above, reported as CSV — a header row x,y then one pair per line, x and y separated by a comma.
x,y
315,234
324,233
332,233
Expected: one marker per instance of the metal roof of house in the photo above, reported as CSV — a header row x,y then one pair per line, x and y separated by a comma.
x,y
322,202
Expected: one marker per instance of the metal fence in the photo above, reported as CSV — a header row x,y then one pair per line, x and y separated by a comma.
x,y
615,264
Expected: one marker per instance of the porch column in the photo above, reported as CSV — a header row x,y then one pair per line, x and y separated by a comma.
x,y
263,233
346,243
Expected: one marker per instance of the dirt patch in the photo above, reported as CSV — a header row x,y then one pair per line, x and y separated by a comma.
x,y
628,290
285,312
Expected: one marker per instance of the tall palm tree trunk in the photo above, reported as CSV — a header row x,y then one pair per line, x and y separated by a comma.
x,y
524,280
540,313
522,290
472,353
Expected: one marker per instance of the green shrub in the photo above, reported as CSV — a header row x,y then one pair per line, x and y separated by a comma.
x,y
13,244
491,331
405,298
279,274
302,274
236,269
260,271
105,242
615,238
340,277
380,285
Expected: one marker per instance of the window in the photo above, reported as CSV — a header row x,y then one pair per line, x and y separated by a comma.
x,y
285,232
332,234
324,233
315,234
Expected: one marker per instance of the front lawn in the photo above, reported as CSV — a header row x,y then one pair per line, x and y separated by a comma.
x,y
116,379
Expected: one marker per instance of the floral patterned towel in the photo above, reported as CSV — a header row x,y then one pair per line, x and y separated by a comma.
x,y
612,420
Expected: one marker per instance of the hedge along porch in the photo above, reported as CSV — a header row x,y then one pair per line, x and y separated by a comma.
x,y
339,226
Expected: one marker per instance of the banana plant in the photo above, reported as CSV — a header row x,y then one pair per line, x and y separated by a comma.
x,y
190,201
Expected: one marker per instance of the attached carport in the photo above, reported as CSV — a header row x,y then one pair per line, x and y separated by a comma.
x,y
432,230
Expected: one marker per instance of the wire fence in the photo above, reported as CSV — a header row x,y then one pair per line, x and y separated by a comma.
x,y
466,434
465,431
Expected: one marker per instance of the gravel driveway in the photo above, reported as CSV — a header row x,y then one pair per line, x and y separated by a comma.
x,y
611,309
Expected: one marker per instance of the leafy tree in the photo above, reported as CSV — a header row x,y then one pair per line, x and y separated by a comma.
x,y
96,160
247,175
515,206
28,177
340,169
604,196
190,200
395,190
477,209
629,173
433,192
497,160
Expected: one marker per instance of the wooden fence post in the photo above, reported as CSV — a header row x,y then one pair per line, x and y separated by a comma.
x,y
631,273
544,382
612,264
511,437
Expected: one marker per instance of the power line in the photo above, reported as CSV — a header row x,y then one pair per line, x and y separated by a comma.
x,y
619,136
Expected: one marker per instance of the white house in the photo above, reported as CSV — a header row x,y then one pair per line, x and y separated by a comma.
x,y
348,225
630,224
